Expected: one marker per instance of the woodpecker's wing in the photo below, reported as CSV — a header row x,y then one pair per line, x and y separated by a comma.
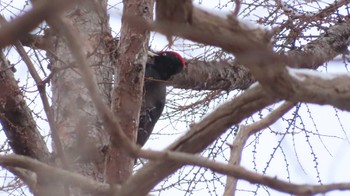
x,y
148,118
152,106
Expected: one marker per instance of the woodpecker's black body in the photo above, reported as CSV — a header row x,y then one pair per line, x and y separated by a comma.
x,y
162,66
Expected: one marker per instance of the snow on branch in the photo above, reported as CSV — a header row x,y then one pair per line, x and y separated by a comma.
x,y
320,88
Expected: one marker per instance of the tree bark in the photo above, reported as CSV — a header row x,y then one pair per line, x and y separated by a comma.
x,y
16,118
127,92
21,129
78,124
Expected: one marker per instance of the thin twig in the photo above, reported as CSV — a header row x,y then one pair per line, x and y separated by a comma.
x,y
237,8
28,177
241,138
56,174
242,173
42,92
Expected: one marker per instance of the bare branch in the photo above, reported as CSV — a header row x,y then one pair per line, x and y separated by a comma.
x,y
269,119
174,11
28,177
16,118
36,41
200,136
321,88
42,92
233,75
229,34
53,173
237,8
21,25
242,173
267,67
242,136
289,11
218,75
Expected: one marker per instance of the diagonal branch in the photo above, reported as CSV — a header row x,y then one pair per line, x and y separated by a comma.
x,y
251,46
230,75
42,92
266,66
244,132
242,173
28,177
320,88
16,118
53,173
236,38
21,25
77,180
36,41
199,137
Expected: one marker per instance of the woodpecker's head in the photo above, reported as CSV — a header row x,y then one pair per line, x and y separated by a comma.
x,y
168,63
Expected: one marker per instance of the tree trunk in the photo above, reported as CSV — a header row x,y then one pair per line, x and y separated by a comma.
x,y
78,125
127,93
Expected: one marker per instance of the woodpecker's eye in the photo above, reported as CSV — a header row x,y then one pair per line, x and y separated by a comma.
x,y
164,54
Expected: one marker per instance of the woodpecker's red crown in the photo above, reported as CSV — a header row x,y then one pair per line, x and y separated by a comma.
x,y
165,64
177,55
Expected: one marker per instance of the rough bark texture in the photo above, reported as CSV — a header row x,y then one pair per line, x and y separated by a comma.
x,y
218,75
127,93
179,11
227,33
77,121
16,118
20,128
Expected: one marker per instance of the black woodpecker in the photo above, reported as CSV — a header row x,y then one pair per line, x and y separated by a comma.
x,y
161,67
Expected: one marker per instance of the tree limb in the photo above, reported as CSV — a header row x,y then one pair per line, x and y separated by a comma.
x,y
25,23
42,92
16,118
36,41
233,37
242,136
213,75
242,173
200,136
53,173
28,177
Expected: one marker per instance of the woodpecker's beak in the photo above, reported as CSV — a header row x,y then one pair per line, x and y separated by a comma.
x,y
152,54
